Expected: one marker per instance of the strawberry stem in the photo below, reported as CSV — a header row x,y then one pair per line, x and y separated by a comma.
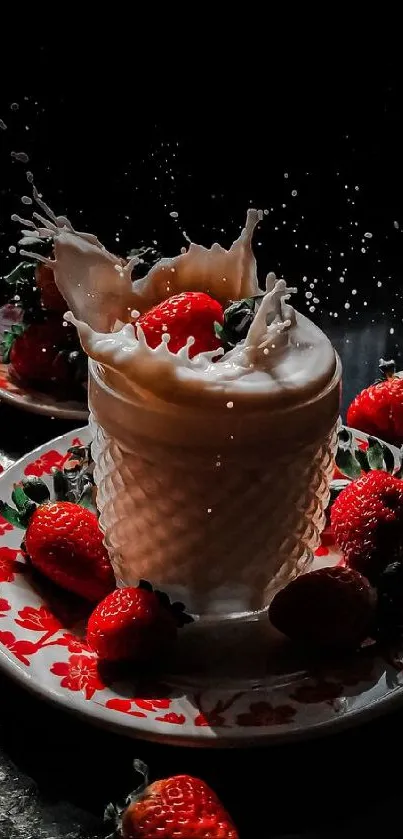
x,y
387,368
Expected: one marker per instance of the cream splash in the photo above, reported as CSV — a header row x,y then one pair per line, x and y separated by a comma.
x,y
285,358
97,285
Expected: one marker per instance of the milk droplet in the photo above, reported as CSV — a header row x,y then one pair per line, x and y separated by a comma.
x,y
14,106
391,331
12,249
20,155
286,174
294,193
354,291
26,199
368,235
174,214
311,309
30,177
230,404
347,305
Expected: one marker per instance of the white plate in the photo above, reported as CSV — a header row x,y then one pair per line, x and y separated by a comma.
x,y
46,654
37,402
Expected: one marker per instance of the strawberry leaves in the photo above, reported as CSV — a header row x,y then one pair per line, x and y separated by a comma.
x,y
177,609
8,340
352,461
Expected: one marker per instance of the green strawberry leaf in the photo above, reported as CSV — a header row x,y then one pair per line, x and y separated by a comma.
x,y
347,463
375,454
11,515
19,498
361,456
60,484
218,330
9,337
345,436
389,458
36,490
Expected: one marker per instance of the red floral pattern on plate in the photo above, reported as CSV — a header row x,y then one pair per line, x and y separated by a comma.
x,y
4,607
264,713
9,566
44,464
174,719
4,526
20,649
79,673
73,643
66,668
38,620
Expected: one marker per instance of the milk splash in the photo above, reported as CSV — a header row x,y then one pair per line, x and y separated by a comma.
x,y
98,288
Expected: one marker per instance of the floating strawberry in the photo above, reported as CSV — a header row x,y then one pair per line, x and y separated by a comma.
x,y
367,522
190,314
182,807
330,607
378,409
50,294
134,623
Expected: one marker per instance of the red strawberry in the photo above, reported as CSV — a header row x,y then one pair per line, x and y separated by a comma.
x,y
50,294
131,624
182,807
64,542
36,354
328,607
378,409
367,522
191,313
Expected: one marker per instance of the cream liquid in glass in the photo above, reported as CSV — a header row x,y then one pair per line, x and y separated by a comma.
x,y
213,472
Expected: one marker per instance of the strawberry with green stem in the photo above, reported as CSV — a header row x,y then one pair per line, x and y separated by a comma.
x,y
180,806
63,540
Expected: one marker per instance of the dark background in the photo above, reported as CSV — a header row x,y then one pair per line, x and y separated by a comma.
x,y
316,139
117,155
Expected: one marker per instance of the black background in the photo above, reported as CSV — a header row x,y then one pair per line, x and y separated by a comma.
x,y
315,138
117,152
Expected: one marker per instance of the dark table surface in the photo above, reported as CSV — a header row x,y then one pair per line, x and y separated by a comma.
x,y
57,773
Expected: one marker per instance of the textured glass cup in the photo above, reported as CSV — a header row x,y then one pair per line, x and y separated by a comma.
x,y
216,509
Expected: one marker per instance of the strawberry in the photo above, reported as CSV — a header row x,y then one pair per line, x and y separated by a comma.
x,y
190,314
330,607
181,806
36,353
131,624
51,298
367,522
64,542
378,409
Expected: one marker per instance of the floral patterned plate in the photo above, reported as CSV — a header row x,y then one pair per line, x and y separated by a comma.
x,y
42,645
37,402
